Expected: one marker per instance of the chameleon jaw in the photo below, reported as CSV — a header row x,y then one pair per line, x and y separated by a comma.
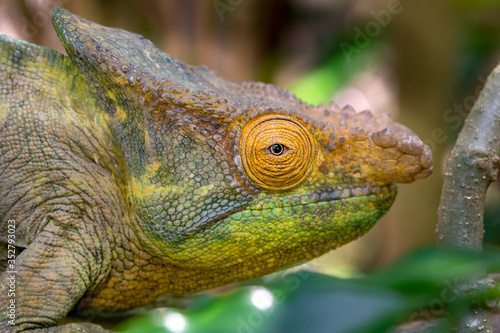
x,y
334,221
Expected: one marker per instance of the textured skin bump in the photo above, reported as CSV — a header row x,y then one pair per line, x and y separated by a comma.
x,y
131,175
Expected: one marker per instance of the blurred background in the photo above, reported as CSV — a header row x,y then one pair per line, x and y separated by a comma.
x,y
423,61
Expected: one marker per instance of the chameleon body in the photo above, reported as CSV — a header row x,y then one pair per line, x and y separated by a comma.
x,y
130,175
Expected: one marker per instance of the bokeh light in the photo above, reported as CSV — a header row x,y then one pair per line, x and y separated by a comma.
x,y
262,298
175,322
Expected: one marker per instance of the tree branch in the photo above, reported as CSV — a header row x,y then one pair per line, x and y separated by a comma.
x,y
472,166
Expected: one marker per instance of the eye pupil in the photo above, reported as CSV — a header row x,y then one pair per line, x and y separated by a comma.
x,y
277,149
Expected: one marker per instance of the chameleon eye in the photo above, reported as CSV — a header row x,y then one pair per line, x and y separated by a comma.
x,y
277,149
277,152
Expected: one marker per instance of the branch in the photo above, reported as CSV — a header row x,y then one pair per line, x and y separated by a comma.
x,y
472,166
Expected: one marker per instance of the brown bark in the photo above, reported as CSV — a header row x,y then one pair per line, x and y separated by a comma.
x,y
472,166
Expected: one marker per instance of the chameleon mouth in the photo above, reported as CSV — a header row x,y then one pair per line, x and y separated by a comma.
x,y
317,200
330,194
346,192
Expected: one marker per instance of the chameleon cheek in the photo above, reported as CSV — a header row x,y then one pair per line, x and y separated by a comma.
x,y
277,152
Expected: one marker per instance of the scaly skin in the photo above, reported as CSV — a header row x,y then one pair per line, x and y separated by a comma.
x,y
131,175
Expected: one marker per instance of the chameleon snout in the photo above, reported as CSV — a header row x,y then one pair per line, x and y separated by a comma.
x,y
367,147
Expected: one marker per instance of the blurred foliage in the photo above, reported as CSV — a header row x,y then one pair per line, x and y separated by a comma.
x,y
319,85
421,286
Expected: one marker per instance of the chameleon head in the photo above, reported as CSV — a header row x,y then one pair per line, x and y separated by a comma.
x,y
236,179
307,185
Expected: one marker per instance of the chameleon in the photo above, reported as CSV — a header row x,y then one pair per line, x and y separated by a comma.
x,y
126,175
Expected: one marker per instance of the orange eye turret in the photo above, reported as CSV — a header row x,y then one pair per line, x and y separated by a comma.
x,y
277,152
